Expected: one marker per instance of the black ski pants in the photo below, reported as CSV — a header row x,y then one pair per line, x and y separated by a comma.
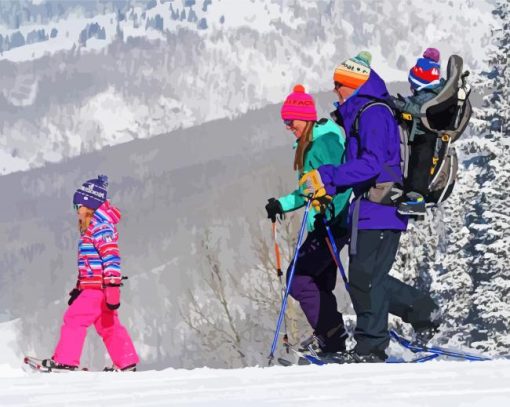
x,y
374,293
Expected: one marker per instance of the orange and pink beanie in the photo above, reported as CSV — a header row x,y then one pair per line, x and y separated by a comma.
x,y
299,105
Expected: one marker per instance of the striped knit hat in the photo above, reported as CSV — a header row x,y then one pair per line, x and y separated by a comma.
x,y
427,71
355,71
92,194
299,105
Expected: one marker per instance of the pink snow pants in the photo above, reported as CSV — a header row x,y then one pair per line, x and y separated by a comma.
x,y
90,308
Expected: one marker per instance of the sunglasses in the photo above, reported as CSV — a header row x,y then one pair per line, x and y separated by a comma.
x,y
288,122
77,206
338,85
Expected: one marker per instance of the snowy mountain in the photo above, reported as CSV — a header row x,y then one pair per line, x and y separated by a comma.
x,y
78,76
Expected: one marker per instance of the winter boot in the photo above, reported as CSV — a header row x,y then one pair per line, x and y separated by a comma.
x,y
379,357
414,205
425,331
354,357
423,334
53,366
333,341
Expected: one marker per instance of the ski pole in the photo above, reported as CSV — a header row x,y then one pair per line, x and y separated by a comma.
x,y
330,241
291,275
280,274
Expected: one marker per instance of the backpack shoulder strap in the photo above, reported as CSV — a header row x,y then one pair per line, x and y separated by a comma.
x,y
355,127
354,131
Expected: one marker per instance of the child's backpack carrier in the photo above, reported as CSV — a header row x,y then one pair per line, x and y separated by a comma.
x,y
446,115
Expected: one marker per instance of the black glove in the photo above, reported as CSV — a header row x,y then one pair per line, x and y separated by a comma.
x,y
318,226
73,294
399,101
273,208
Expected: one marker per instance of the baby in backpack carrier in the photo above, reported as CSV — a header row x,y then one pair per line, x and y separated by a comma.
x,y
425,80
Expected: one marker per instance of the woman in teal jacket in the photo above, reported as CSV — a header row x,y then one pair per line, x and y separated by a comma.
x,y
318,143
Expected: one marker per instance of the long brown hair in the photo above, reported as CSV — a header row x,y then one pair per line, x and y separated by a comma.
x,y
84,219
303,145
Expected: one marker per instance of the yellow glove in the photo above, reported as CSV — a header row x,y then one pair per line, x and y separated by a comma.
x,y
315,190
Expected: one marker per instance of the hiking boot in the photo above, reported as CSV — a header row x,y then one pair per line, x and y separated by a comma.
x,y
327,348
353,357
334,340
370,357
424,334
374,357
130,368
53,366
425,331
414,205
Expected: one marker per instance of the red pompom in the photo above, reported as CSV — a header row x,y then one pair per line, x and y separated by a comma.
x,y
299,88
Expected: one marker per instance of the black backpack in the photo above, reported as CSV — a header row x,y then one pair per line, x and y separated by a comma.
x,y
446,115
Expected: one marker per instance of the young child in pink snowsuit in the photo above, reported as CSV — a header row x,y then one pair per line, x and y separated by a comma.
x,y
96,298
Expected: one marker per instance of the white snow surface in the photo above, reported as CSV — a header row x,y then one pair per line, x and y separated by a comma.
x,y
428,384
9,352
443,383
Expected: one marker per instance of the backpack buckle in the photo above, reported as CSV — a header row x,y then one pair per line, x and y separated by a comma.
x,y
407,116
435,160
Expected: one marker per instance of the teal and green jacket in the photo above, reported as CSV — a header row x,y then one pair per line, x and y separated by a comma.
x,y
327,147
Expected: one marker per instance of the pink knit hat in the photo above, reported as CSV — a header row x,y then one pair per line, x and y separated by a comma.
x,y
299,105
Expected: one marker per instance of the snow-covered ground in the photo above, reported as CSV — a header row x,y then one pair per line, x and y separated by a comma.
x,y
443,383
10,354
429,384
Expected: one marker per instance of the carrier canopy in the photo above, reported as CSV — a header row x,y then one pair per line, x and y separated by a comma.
x,y
449,112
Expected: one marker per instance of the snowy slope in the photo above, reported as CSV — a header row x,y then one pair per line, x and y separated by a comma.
x,y
430,384
10,352
65,97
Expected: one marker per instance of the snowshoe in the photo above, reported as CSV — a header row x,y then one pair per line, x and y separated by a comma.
x,y
130,368
49,365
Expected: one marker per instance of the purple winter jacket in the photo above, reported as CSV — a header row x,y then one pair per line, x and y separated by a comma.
x,y
365,165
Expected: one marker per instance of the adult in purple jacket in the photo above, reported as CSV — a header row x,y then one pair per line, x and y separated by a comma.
x,y
373,158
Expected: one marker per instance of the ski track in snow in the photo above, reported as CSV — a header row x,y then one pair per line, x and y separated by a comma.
x,y
428,384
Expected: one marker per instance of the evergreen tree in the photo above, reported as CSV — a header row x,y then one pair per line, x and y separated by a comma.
x,y
489,222
461,253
